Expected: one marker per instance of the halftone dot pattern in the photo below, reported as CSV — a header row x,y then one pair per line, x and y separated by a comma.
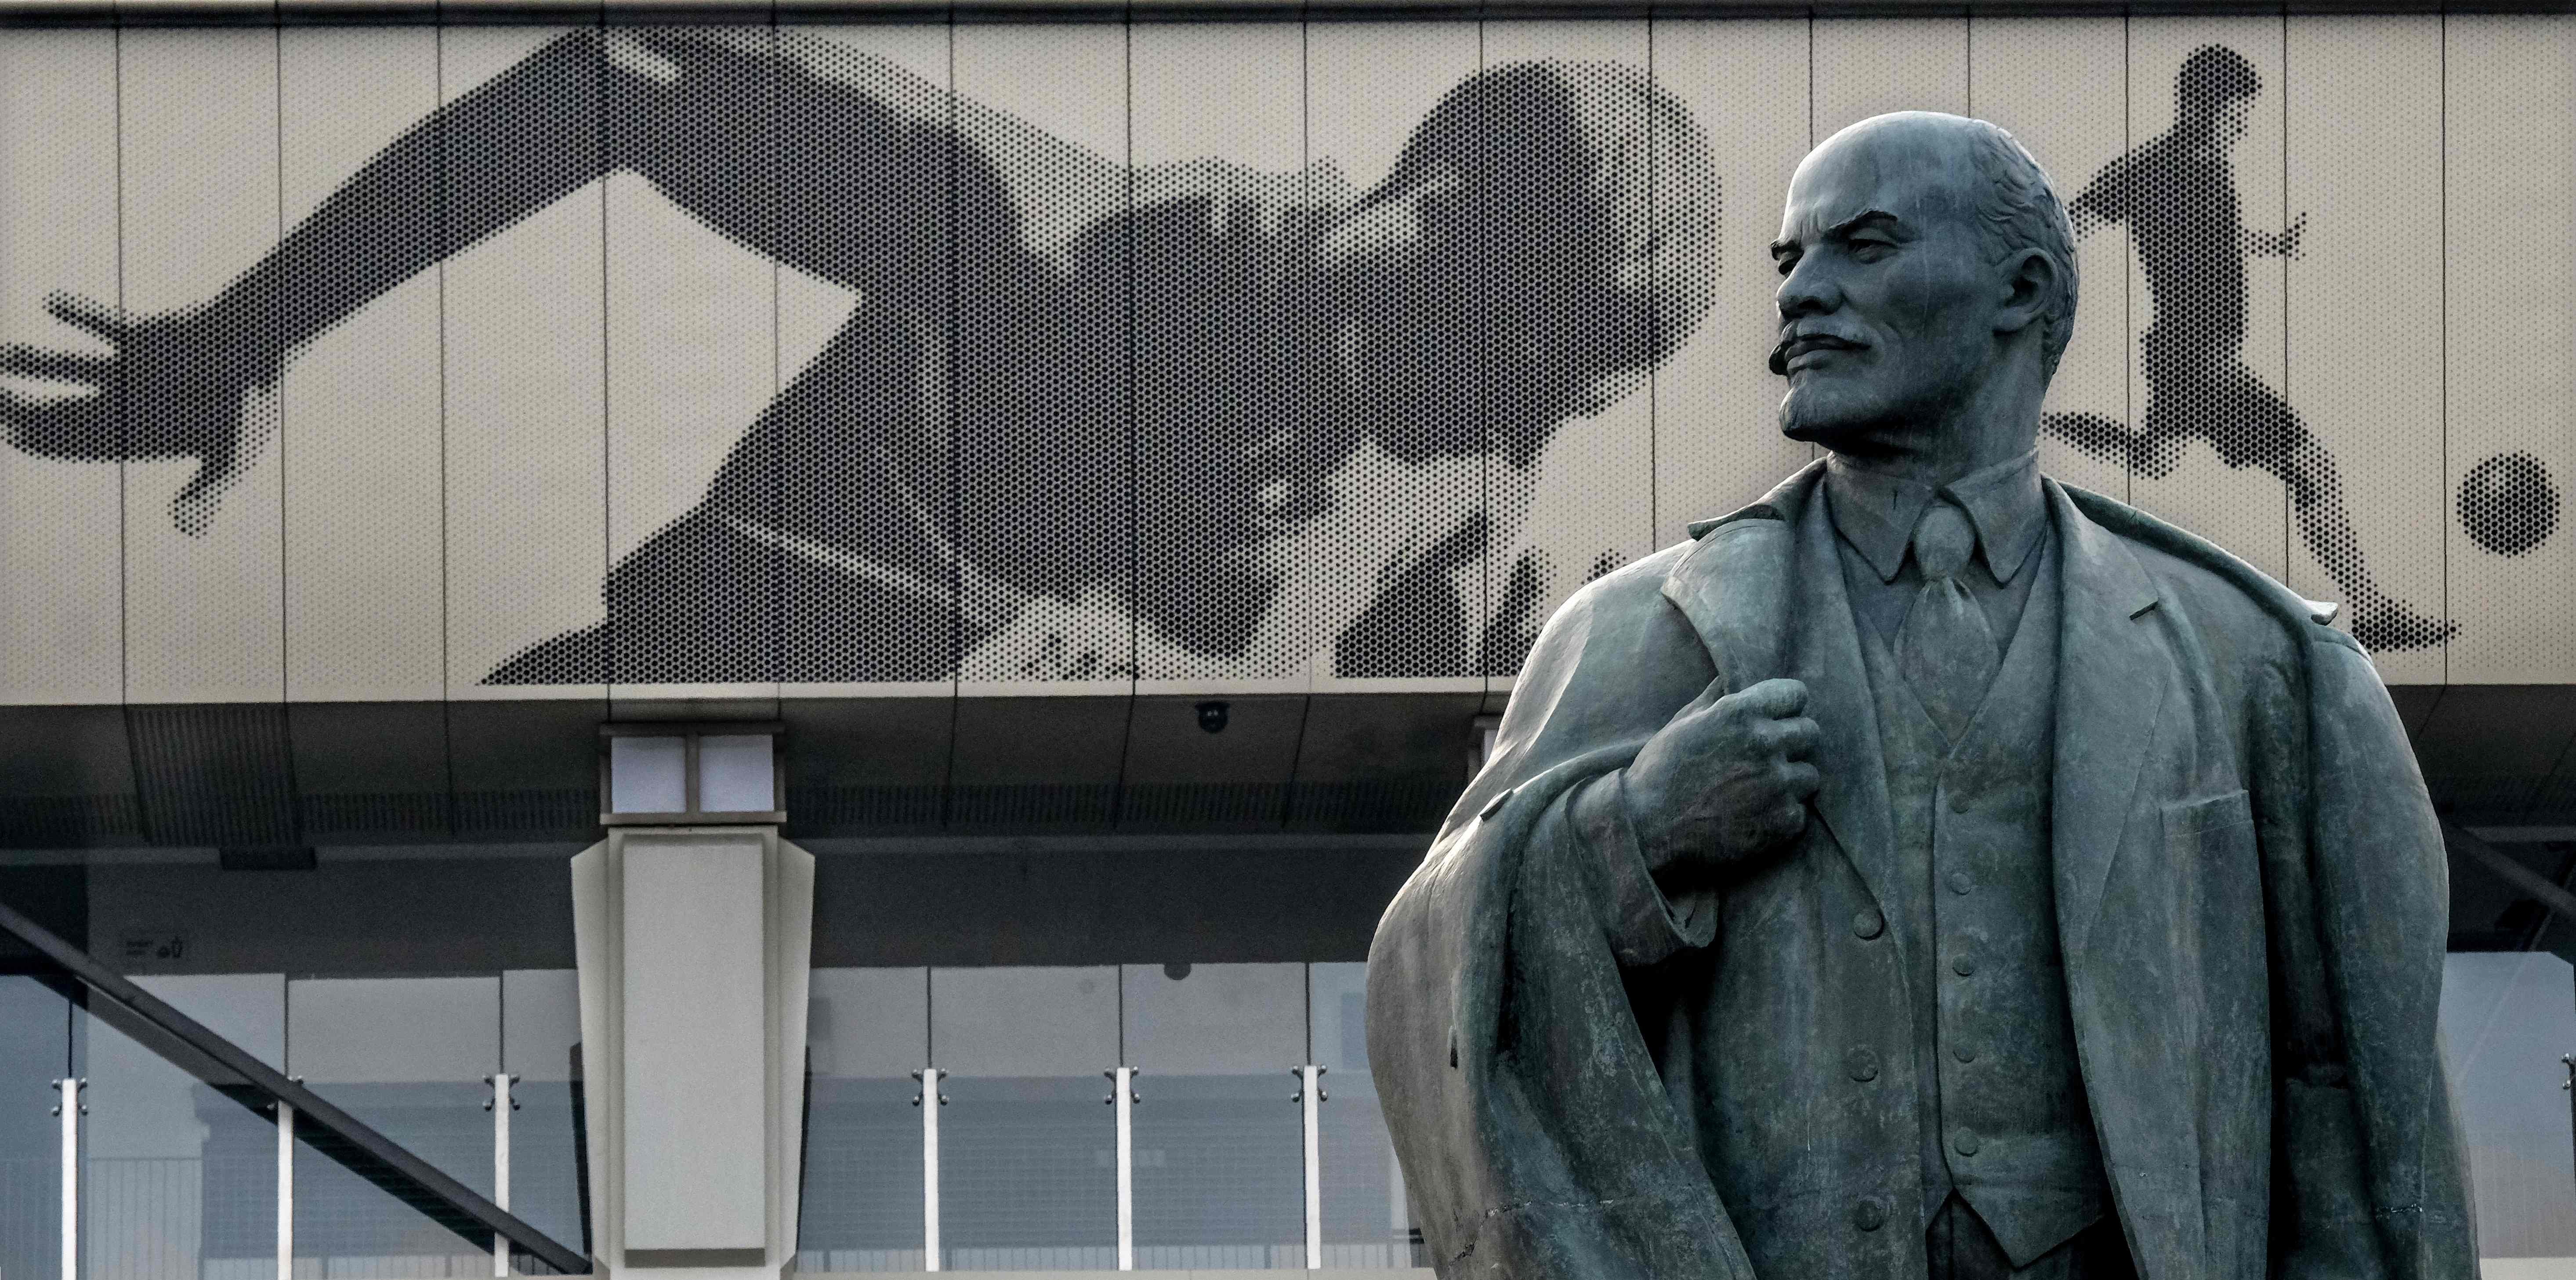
x,y
1716,406
1604,262
520,155
691,130
2364,478
1042,378
2509,306
2058,86
858,447
1238,428
361,473
196,380
1399,109
61,547
2200,191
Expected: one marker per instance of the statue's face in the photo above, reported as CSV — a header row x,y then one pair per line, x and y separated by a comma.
x,y
1887,303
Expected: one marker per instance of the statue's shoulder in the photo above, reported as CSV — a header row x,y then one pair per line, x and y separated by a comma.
x,y
2220,588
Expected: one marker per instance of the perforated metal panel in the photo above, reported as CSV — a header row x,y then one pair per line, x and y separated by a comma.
x,y
1717,407
361,474
203,584
2509,386
1235,385
1600,264
527,524
1870,66
1399,559
694,197
2207,309
2365,478
61,561
1043,376
858,448
2058,85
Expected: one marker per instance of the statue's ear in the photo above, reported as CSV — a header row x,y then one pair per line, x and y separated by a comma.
x,y
2031,287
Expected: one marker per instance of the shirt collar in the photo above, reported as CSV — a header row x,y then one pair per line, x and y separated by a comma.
x,y
1876,512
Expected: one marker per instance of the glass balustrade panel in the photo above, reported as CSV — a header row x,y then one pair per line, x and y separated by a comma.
x,y
1219,1135
1367,1222
861,1206
2506,1019
1028,1172
35,1050
549,1138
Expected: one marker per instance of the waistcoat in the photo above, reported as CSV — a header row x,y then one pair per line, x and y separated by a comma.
x,y
2004,1118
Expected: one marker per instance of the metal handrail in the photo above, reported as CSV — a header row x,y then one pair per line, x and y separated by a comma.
x,y
337,1134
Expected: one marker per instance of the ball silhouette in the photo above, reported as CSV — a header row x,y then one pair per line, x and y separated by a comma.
x,y
2508,504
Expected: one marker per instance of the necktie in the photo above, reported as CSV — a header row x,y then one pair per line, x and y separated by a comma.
x,y
1945,647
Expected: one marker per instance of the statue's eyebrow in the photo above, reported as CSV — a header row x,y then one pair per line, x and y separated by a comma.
x,y
1840,230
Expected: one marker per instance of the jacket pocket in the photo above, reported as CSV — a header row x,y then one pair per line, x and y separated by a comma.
x,y
2205,819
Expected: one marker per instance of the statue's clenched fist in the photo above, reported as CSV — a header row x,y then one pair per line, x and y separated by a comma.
x,y
1726,780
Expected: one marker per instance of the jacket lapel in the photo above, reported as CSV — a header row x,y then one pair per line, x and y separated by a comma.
x,y
1851,759
2110,693
1768,600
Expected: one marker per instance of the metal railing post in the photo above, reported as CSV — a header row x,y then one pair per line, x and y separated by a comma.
x,y
930,1100
285,1192
69,1107
501,1106
1310,1097
1123,1099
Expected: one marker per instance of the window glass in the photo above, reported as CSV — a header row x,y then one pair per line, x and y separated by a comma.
x,y
861,1209
540,1046
2506,1018
734,774
35,1048
1219,1138
411,1058
1027,1174
179,1178
1367,1223
648,775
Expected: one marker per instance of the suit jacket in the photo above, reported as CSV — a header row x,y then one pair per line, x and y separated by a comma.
x,y
2249,894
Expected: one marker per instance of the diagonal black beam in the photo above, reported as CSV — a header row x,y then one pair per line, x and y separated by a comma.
x,y
369,1154
2551,894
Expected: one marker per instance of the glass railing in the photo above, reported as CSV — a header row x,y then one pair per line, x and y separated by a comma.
x,y
241,1126
1205,1163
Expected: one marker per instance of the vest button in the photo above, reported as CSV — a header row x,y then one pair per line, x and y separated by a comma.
x,y
1869,1215
1961,882
1867,923
1959,801
1966,1142
1964,1051
1863,1064
1963,964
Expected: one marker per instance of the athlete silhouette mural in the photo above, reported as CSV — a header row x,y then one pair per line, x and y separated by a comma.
x,y
2177,193
947,486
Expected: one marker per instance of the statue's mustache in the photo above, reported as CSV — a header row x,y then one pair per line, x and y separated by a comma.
x,y
1798,342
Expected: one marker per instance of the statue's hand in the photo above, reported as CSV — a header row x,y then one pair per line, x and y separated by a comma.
x,y
1726,780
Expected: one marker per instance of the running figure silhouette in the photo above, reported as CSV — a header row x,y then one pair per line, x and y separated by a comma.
x,y
946,487
2177,193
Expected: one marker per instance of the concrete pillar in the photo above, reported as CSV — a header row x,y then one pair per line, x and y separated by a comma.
x,y
694,945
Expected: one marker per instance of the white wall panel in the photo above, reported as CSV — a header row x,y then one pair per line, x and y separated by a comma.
x,y
1226,358
1042,381
61,558
2057,85
1870,66
527,523
1717,405
359,464
2221,388
2365,164
693,207
1584,505
1393,517
204,607
2509,381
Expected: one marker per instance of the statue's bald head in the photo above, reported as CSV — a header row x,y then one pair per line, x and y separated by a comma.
x,y
1984,174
